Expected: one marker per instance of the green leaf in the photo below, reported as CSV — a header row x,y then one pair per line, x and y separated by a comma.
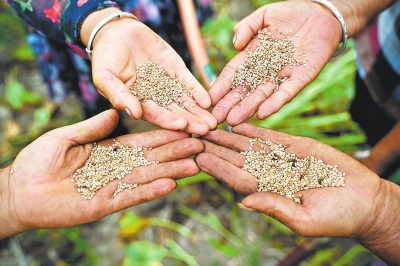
x,y
223,248
213,221
323,256
179,253
131,225
222,36
42,116
350,255
200,177
144,253
16,95
23,52
208,26
280,227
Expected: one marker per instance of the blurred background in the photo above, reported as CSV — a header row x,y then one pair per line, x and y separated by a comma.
x,y
198,223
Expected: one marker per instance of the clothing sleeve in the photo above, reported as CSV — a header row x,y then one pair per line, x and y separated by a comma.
x,y
60,20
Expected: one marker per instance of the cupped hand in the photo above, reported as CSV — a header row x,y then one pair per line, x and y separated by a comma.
x,y
38,192
332,211
119,48
315,32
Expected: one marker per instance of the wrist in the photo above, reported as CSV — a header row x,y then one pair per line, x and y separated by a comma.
x,y
92,20
381,234
9,224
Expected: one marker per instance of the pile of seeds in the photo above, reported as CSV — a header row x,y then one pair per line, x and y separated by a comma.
x,y
154,83
122,186
263,65
106,164
285,174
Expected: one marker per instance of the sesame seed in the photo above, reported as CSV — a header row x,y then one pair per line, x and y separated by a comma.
x,y
106,164
264,64
283,173
154,83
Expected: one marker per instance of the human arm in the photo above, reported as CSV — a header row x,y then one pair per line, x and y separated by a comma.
x,y
36,191
366,208
385,154
119,48
319,33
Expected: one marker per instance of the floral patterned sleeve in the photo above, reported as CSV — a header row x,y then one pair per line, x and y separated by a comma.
x,y
58,19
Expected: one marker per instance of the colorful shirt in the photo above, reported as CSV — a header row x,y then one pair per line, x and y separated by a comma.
x,y
55,27
378,59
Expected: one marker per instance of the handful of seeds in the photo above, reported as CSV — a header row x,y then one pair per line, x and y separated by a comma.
x,y
285,174
106,164
154,83
263,65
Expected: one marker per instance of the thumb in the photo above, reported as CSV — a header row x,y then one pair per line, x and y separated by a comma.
x,y
278,207
247,28
90,130
119,95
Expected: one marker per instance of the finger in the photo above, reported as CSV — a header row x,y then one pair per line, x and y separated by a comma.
x,y
250,104
157,115
195,124
248,27
121,98
286,92
252,132
300,146
280,208
239,180
229,140
148,139
194,87
175,169
222,85
175,150
89,130
226,154
117,93
142,194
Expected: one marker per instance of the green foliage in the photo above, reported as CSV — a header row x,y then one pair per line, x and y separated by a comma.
x,y
12,35
16,94
144,253
82,252
260,3
323,256
352,253
218,32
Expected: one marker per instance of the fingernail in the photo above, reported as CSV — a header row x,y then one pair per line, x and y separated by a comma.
x,y
128,111
241,206
234,39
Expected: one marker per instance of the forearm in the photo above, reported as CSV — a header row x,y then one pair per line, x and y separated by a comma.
x,y
357,13
385,153
7,225
92,20
382,237
58,20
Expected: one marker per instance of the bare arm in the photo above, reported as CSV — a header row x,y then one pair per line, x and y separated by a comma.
x,y
386,153
36,191
367,208
356,14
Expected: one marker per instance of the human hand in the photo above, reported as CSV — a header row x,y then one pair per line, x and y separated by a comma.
x,y
119,48
354,210
36,190
319,33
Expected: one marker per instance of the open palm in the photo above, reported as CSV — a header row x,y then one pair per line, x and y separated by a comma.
x,y
314,31
330,211
119,49
39,190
